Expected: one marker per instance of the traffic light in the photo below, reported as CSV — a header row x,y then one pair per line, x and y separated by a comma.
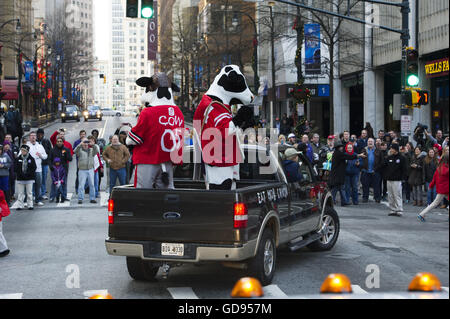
x,y
147,9
132,8
412,67
415,98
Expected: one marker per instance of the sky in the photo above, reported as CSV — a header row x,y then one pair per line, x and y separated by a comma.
x,y
102,28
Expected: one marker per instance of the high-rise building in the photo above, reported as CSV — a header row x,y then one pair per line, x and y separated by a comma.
x,y
128,57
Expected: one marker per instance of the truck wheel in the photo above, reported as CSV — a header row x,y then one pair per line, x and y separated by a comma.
x,y
140,269
331,229
262,266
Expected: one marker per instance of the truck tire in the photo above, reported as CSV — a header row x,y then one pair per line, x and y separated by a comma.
x,y
262,266
140,269
331,234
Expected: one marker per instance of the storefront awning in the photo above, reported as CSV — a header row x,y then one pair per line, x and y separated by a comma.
x,y
8,90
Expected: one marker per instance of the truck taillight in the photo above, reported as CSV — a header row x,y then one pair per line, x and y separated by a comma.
x,y
111,211
240,215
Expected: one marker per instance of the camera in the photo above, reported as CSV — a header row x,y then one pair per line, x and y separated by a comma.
x,y
422,127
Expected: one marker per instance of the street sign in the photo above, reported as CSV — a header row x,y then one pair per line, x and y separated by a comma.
x,y
405,125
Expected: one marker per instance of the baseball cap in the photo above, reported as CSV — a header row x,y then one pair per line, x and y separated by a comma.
x,y
291,152
331,137
291,135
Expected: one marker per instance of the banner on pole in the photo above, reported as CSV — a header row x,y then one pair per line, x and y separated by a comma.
x,y
312,48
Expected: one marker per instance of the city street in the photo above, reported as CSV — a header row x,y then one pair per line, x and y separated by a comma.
x,y
58,251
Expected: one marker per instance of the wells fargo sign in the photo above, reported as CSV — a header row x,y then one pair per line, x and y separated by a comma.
x,y
436,68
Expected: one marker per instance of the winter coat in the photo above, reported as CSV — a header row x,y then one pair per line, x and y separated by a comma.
x,y
53,139
58,174
291,169
4,209
394,168
338,167
86,158
30,173
63,154
47,147
118,154
6,161
428,170
440,180
378,161
416,174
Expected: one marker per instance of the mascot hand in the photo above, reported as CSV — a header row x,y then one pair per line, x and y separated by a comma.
x,y
244,118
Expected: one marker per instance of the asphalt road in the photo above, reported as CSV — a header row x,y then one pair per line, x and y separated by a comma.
x,y
59,252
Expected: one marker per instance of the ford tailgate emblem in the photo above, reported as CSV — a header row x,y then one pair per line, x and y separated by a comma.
x,y
171,215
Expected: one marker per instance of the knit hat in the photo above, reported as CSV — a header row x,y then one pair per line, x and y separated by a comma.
x,y
56,160
26,147
40,131
395,146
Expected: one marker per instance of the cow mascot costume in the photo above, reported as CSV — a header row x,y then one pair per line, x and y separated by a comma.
x,y
158,134
216,127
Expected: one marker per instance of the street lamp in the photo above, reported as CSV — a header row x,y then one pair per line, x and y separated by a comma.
x,y
272,43
18,25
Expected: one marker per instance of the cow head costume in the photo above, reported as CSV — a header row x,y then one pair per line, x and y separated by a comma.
x,y
158,134
214,112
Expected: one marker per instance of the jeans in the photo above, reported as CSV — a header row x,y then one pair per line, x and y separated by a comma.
x,y
351,187
407,189
121,174
96,183
55,191
37,187
83,176
341,190
371,180
431,194
44,180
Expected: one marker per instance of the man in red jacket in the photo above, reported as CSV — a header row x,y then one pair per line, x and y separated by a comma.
x,y
62,133
158,135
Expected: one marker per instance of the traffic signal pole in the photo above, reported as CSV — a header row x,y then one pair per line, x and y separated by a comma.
x,y
405,36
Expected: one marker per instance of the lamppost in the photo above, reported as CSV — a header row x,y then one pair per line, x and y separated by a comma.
x,y
235,22
272,45
204,42
18,26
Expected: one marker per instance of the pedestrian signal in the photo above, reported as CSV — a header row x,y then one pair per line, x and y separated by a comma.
x,y
132,8
413,98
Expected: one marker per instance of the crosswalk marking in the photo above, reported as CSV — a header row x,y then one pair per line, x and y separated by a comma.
x,y
182,293
11,296
358,290
104,196
90,293
67,202
273,291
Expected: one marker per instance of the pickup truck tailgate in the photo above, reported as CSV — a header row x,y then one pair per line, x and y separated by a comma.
x,y
180,215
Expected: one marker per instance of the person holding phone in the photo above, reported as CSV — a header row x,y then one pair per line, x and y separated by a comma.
x,y
86,153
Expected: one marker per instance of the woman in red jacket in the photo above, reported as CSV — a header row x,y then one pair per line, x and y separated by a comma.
x,y
4,211
440,179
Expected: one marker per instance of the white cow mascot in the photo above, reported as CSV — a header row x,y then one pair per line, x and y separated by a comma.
x,y
216,126
158,134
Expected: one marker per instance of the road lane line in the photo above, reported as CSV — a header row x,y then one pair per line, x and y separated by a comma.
x,y
182,293
11,296
90,293
358,290
103,130
274,291
104,197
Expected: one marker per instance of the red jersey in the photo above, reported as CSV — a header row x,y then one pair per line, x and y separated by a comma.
x,y
159,135
219,147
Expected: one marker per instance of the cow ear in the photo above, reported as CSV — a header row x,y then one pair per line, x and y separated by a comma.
x,y
144,82
175,88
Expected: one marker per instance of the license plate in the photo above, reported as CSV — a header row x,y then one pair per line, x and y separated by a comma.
x,y
168,249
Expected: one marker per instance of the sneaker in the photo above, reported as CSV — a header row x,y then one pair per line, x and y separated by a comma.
x,y
25,205
399,214
30,208
57,200
18,208
80,202
40,203
44,197
392,213
93,202
63,200
421,219
4,253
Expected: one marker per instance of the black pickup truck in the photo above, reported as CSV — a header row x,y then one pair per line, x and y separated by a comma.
x,y
240,228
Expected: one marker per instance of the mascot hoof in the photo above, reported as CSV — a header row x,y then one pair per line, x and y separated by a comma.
x,y
244,117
